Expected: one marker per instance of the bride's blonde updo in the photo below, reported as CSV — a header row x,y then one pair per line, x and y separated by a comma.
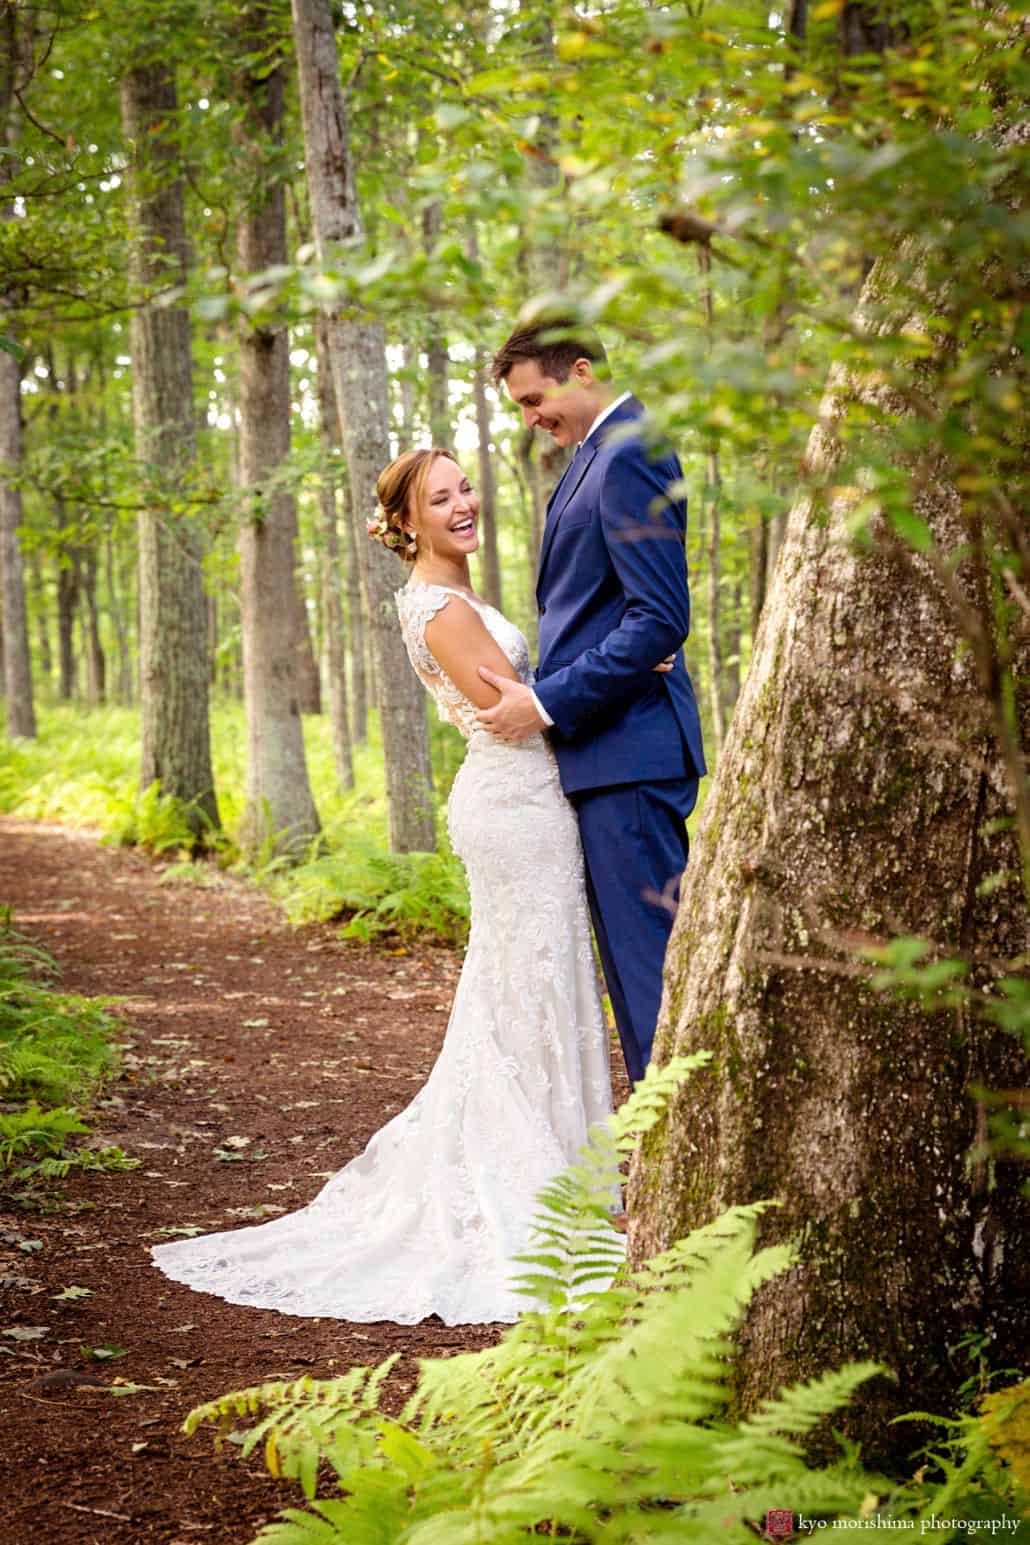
x,y
401,488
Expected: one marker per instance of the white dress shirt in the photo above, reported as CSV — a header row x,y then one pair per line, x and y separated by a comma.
x,y
615,403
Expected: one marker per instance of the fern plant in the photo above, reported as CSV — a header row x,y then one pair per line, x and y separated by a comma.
x,y
599,1417
55,1051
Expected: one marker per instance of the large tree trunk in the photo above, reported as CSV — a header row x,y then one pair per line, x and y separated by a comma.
x,y
860,789
176,744
332,608
17,659
357,354
280,810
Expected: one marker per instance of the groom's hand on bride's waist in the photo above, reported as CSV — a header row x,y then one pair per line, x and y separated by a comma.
x,y
517,715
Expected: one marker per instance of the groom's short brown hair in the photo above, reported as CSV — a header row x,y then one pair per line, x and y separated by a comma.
x,y
555,343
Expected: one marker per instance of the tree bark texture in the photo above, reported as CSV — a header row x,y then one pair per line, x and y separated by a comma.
x,y
21,713
68,590
176,749
332,606
441,429
357,355
356,614
858,795
491,565
309,677
17,658
280,811
96,661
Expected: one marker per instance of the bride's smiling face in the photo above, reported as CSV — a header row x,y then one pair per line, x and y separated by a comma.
x,y
446,523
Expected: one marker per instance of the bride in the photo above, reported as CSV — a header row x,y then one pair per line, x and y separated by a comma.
x,y
428,1219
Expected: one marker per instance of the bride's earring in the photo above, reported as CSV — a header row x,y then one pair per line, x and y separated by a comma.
x,y
410,541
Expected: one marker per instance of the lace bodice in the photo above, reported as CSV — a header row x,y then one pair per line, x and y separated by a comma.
x,y
417,604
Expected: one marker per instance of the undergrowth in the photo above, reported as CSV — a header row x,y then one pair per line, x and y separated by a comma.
x,y
601,1417
83,771
56,1050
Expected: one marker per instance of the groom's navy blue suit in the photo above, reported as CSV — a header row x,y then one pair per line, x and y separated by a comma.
x,y
614,602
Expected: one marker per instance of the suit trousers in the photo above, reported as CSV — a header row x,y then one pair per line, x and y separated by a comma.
x,y
635,846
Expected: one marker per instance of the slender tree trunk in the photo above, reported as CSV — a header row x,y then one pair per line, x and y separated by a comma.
x,y
332,609
68,591
309,677
357,353
21,712
40,608
176,749
758,570
731,654
280,811
715,663
96,662
441,430
860,787
487,496
491,566
117,609
409,368
15,41
357,631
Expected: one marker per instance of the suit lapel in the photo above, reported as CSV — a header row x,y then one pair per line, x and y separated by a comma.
x,y
563,493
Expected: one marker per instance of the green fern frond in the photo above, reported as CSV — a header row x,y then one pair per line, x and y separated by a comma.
x,y
600,1417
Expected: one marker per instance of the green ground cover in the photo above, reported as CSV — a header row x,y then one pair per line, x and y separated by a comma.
x,y
56,1050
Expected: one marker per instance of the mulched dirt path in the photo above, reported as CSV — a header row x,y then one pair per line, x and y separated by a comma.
x,y
237,1026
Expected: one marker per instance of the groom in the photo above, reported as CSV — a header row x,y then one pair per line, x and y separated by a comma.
x,y
613,599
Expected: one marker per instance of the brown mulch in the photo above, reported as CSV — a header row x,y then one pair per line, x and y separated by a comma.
x,y
237,1025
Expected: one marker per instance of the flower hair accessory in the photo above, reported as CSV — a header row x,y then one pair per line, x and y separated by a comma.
x,y
380,530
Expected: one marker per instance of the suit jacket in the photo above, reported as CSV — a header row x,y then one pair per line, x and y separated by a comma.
x,y
614,601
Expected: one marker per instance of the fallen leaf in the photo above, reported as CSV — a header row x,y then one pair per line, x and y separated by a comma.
x,y
25,1332
70,1294
103,1354
10,1236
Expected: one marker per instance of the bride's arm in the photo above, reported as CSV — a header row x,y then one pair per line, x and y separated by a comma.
x,y
460,643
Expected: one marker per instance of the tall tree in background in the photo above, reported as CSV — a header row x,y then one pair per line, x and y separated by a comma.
x,y
176,745
487,481
357,356
280,807
332,608
16,66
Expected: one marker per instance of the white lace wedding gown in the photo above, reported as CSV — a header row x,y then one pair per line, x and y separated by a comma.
x,y
427,1219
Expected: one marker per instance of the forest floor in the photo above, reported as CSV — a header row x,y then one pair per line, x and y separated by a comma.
x,y
237,1026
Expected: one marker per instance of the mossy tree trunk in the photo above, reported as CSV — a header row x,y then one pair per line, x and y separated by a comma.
x,y
357,356
280,809
176,743
861,794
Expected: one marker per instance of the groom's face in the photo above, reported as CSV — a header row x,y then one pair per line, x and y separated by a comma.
x,y
563,409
